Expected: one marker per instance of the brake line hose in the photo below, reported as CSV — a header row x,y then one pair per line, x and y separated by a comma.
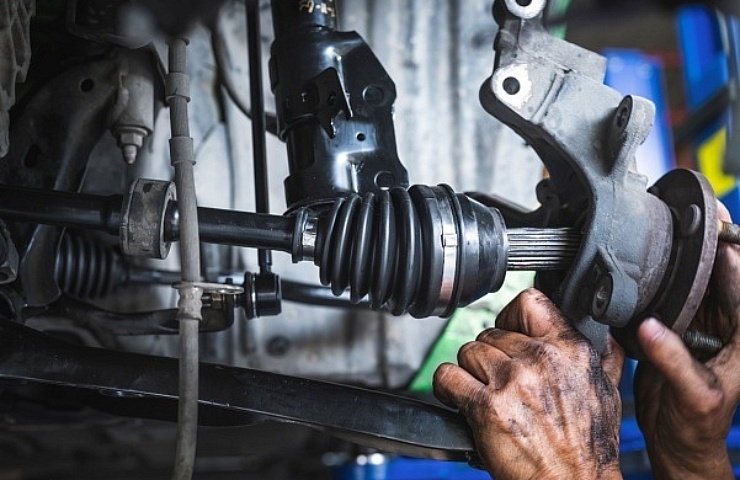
x,y
189,305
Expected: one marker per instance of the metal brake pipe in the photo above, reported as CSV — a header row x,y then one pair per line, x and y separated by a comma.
x,y
189,314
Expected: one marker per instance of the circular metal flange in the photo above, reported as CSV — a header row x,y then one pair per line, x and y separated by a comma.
x,y
691,200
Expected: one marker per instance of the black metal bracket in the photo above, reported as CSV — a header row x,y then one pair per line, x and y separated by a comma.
x,y
335,106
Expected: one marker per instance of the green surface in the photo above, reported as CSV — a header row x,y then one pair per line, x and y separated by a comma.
x,y
465,325
559,7
556,11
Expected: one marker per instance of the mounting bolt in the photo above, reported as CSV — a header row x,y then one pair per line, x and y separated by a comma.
x,y
374,95
130,141
702,342
729,232
602,296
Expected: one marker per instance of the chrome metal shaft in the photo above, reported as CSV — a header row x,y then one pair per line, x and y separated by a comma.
x,y
542,248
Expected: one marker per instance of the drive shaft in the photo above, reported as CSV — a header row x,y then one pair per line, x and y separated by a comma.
x,y
537,249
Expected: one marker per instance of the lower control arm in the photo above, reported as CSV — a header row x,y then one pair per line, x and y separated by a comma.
x,y
391,423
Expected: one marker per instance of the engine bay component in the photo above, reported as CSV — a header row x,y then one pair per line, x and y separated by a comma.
x,y
142,219
51,143
417,428
423,250
88,270
335,107
552,94
135,105
426,250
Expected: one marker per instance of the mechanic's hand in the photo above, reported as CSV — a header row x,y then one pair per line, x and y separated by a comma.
x,y
685,407
540,401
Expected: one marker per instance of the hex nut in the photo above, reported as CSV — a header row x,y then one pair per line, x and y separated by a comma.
x,y
130,137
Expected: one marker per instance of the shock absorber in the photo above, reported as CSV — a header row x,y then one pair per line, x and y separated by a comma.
x,y
425,251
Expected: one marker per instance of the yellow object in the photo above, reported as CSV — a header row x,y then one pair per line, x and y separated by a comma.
x,y
710,156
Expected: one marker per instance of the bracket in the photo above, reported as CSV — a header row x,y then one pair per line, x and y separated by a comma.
x,y
552,94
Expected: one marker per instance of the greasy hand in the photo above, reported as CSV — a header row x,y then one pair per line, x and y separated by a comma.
x,y
540,401
685,407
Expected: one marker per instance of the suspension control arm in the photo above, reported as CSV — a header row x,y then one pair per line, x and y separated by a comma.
x,y
378,420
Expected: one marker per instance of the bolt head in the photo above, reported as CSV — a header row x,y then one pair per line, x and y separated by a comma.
x,y
130,138
602,296
374,95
